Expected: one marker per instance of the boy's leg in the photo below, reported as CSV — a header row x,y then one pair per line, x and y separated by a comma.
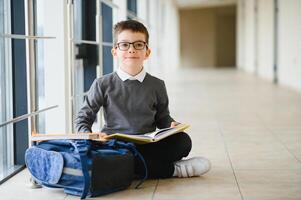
x,y
160,156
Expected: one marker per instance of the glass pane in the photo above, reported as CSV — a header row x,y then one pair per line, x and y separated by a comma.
x,y
40,68
40,72
85,64
85,20
132,6
107,60
107,23
40,85
107,13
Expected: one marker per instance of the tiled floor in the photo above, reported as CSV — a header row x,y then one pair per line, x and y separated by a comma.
x,y
250,129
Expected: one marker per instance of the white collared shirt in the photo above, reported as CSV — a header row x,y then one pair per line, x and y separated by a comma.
x,y
125,76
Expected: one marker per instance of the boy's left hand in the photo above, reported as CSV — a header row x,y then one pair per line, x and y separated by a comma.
x,y
174,124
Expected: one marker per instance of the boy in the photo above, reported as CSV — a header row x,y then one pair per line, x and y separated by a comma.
x,y
134,102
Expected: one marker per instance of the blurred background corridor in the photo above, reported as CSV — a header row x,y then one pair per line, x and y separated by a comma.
x,y
232,70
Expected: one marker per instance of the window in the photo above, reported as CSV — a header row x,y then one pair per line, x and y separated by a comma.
x,y
12,82
89,60
65,53
14,79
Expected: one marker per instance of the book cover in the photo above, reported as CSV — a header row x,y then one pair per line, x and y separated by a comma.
x,y
149,137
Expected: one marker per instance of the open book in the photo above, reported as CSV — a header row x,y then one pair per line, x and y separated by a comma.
x,y
149,137
140,139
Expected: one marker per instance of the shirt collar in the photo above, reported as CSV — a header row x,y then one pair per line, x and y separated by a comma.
x,y
125,76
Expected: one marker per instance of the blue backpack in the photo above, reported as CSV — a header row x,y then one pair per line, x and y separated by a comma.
x,y
83,167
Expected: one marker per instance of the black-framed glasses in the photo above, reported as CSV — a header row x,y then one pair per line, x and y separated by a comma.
x,y
138,45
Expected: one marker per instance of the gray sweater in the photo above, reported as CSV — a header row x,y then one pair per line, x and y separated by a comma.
x,y
129,106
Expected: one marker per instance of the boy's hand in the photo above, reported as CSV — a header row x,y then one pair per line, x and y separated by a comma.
x,y
102,137
174,124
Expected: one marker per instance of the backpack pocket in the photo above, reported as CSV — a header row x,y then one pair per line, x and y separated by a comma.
x,y
112,173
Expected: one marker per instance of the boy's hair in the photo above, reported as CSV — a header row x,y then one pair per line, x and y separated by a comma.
x,y
132,25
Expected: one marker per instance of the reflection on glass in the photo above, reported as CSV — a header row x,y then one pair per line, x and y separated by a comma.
x,y
40,68
85,20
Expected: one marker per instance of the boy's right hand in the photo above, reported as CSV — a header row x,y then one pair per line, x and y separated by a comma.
x,y
174,124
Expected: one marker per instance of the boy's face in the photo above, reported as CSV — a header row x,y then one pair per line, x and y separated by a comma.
x,y
131,56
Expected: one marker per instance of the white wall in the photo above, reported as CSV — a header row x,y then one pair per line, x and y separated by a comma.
x,y
153,28
265,39
142,10
289,41
249,39
240,36
54,59
256,44
121,11
170,37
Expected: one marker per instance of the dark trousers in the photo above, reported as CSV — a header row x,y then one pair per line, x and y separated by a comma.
x,y
160,156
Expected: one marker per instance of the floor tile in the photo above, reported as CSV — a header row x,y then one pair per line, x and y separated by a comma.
x,y
18,188
145,191
270,184
217,184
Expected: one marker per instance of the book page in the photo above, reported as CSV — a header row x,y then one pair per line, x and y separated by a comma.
x,y
153,134
170,131
165,132
149,137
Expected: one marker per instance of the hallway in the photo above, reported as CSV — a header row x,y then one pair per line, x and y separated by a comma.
x,y
250,129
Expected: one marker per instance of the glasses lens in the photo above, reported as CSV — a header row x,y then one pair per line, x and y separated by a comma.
x,y
124,45
139,45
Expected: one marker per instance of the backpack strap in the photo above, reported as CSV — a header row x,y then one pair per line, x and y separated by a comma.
x,y
82,147
131,146
137,153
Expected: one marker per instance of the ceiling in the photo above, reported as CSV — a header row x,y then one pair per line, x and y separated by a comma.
x,y
188,4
